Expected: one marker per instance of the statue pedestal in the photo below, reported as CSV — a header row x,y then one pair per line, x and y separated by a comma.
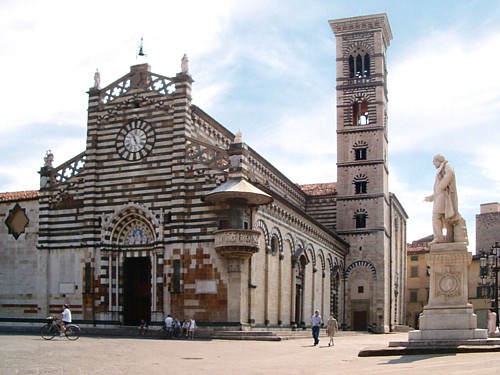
x,y
448,315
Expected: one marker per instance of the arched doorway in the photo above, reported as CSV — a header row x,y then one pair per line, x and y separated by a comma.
x,y
132,234
300,267
137,290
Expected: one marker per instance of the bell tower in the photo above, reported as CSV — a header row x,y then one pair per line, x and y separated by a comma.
x,y
363,202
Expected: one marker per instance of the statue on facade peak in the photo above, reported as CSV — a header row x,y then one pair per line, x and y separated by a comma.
x,y
97,79
48,159
239,137
185,64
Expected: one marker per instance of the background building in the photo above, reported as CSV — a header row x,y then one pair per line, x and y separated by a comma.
x,y
487,226
417,283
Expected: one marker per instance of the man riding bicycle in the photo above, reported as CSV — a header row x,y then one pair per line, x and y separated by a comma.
x,y
65,318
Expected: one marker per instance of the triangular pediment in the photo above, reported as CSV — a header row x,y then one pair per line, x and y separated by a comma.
x,y
140,78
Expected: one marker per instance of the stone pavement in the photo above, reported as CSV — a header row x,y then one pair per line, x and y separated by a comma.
x,y
30,354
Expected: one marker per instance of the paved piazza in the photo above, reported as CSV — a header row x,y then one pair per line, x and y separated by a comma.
x,y
30,354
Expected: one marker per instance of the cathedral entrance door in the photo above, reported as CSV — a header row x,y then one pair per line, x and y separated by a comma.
x,y
137,290
298,304
360,322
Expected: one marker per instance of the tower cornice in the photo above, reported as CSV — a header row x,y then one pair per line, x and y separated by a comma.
x,y
376,22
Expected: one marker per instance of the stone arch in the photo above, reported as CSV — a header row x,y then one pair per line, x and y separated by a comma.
x,y
312,253
322,259
361,263
300,249
260,224
275,233
288,237
361,45
131,224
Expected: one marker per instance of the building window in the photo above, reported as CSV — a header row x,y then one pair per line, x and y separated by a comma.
x,y
414,271
414,258
361,289
176,265
486,292
88,278
414,295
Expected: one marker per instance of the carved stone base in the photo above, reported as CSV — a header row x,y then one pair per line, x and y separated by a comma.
x,y
448,315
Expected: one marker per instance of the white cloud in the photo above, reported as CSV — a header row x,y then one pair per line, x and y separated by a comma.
x,y
444,85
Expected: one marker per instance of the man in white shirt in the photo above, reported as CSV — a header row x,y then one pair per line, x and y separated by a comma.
x,y
316,323
169,322
65,318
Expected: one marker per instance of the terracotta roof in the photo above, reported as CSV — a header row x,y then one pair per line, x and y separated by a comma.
x,y
19,195
419,246
319,189
417,249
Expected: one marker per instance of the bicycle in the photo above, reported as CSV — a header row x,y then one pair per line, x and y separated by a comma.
x,y
173,333
51,329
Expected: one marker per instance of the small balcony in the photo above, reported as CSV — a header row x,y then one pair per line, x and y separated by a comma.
x,y
236,243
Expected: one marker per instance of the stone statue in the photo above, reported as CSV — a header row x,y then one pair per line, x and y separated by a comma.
x,y
48,159
185,65
239,137
445,213
97,79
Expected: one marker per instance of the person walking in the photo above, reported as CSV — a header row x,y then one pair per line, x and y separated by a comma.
x,y
331,328
316,323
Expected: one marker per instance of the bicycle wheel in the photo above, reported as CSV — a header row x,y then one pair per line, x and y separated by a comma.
x,y
72,332
48,331
176,333
162,332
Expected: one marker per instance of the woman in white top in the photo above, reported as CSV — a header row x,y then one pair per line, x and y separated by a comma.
x,y
191,328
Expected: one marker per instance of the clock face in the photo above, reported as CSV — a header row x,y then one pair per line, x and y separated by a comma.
x,y
135,140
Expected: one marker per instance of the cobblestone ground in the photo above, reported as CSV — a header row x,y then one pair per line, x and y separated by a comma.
x,y
30,354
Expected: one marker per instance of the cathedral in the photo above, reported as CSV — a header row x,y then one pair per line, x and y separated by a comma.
x,y
166,211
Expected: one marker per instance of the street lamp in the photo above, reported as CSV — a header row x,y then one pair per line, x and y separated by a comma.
x,y
491,260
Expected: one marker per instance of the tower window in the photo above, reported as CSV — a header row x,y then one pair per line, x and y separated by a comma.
x,y
360,113
360,187
360,184
360,217
366,66
360,221
359,67
359,64
360,153
360,150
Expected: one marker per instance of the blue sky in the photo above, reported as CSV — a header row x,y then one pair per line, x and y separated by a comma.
x,y
267,68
